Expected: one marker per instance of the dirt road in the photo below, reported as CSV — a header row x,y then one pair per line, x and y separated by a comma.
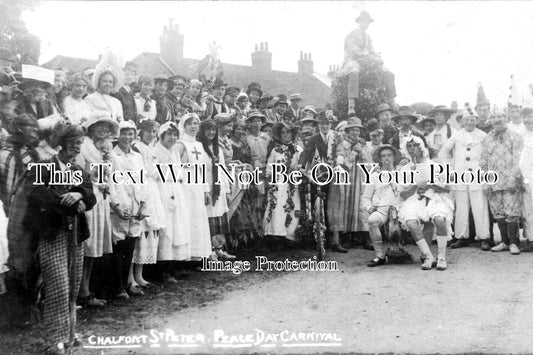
x,y
482,303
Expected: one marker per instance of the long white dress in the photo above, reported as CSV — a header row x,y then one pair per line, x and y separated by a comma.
x,y
282,200
146,246
174,240
99,217
221,204
78,111
197,219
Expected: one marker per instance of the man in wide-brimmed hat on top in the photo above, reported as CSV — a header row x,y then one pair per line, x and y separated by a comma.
x,y
358,51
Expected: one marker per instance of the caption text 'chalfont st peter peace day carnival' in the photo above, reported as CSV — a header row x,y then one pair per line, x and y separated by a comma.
x,y
320,174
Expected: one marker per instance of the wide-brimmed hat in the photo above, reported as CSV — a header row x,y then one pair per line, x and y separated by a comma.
x,y
101,116
110,63
255,114
310,108
364,16
441,108
353,122
33,75
223,118
424,119
406,111
383,107
377,152
276,130
309,119
254,87
265,97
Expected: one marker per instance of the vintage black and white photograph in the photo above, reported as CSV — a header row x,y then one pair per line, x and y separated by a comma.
x,y
266,177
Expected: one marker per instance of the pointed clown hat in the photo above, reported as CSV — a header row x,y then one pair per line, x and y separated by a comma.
x,y
481,97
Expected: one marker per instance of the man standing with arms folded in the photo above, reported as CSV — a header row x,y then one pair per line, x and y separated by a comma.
x,y
463,151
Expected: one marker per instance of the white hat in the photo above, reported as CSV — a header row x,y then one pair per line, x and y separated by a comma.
x,y
37,73
468,111
166,127
110,63
101,116
127,125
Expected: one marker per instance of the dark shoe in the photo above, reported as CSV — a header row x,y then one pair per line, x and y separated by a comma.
x,y
528,248
338,248
485,246
376,262
459,243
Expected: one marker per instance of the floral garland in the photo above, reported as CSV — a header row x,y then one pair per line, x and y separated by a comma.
x,y
288,207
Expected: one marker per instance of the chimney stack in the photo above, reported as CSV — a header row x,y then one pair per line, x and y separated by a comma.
x,y
171,44
305,64
262,58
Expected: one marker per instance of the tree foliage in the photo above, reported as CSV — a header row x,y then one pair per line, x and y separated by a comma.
x,y
372,92
15,35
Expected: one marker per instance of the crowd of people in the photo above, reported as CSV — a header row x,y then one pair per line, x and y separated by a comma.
x,y
133,121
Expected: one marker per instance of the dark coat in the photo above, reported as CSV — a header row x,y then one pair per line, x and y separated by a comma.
x,y
127,99
44,108
45,216
315,143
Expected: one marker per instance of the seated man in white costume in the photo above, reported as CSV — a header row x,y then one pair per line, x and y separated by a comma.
x,y
424,202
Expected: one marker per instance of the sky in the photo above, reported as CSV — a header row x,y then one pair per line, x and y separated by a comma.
x,y
438,51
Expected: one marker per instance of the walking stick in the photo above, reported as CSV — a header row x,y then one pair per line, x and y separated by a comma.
x,y
72,294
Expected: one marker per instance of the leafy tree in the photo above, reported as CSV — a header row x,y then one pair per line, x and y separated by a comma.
x,y
15,35
371,93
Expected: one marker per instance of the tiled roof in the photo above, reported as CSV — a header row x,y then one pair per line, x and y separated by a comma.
x,y
313,91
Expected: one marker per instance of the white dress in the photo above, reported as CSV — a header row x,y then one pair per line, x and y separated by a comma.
x,y
151,113
102,102
77,111
99,217
277,221
146,246
197,219
174,240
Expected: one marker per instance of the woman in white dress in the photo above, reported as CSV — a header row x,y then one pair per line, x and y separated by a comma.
x,y
100,127
282,199
74,106
174,240
198,196
146,246
218,209
106,81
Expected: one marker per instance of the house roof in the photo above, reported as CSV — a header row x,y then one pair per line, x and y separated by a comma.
x,y
313,90
70,63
